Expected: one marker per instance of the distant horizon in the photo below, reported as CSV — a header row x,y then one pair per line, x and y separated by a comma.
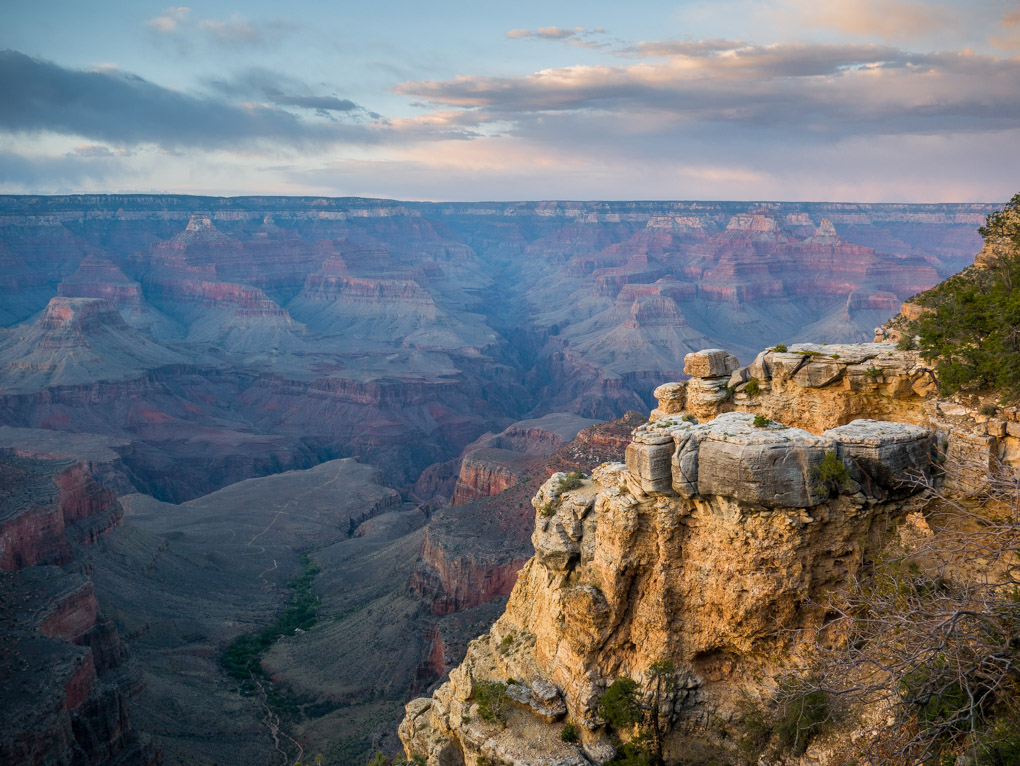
x,y
508,201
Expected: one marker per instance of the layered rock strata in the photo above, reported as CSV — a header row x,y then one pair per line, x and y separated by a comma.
x,y
64,684
821,386
704,550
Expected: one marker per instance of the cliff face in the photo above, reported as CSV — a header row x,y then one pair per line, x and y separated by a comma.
x,y
702,550
473,550
45,508
707,547
62,672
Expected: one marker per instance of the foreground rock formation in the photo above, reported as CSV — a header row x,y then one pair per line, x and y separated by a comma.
x,y
704,550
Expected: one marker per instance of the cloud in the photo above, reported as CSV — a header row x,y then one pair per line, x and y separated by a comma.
x,y
172,18
1008,39
97,150
545,33
175,24
809,89
278,89
891,20
581,36
123,109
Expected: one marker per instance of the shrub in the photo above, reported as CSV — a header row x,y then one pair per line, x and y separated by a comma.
x,y
632,753
688,418
619,704
907,342
780,347
873,373
830,474
572,480
760,421
785,727
970,328
753,387
493,702
800,715
988,409
945,639
568,733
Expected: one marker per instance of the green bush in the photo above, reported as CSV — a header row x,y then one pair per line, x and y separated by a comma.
x,y
688,418
970,330
1001,745
784,727
568,733
493,701
800,716
753,387
760,421
906,342
632,753
780,347
572,480
830,475
619,704
873,372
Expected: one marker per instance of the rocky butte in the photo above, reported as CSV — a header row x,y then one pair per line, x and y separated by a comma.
x,y
708,549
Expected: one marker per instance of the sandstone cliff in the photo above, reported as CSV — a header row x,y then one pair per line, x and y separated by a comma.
x,y
703,550
707,549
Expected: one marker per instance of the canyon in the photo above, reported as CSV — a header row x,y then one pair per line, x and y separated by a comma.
x,y
195,392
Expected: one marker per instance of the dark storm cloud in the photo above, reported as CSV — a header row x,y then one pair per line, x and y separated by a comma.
x,y
123,109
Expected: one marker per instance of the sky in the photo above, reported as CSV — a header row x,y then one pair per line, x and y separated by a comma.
x,y
814,100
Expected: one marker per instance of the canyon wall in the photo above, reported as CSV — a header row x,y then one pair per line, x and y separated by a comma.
x,y
63,671
261,334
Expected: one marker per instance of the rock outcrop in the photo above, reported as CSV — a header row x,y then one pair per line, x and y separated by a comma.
x,y
704,550
64,685
821,386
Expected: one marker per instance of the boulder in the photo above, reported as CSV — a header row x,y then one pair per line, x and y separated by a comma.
x,y
739,377
770,466
894,456
710,363
818,372
671,397
759,368
649,465
541,699
785,364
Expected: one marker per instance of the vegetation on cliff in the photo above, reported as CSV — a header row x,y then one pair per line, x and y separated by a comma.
x,y
931,637
971,326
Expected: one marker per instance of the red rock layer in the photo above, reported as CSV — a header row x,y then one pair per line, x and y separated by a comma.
x,y
461,582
